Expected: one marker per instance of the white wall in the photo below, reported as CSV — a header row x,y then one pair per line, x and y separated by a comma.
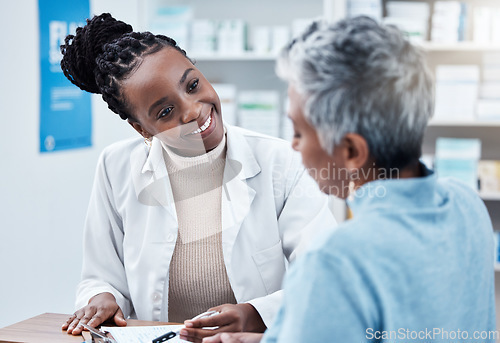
x,y
43,197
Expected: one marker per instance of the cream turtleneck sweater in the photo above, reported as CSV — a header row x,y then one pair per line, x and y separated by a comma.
x,y
198,278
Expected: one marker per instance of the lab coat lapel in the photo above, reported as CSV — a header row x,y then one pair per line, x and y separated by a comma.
x,y
152,183
237,194
150,177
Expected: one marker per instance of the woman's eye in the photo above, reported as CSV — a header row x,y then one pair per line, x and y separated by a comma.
x,y
296,135
193,85
165,112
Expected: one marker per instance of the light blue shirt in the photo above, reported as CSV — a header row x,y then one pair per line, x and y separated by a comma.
x,y
415,264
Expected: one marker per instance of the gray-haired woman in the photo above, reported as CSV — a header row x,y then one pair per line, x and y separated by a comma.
x,y
416,262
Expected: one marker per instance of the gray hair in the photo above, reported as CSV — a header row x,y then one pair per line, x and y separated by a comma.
x,y
362,77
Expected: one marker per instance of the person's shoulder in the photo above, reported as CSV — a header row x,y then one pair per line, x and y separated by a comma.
x,y
360,240
122,149
271,153
342,240
459,190
465,201
344,250
259,140
127,144
268,150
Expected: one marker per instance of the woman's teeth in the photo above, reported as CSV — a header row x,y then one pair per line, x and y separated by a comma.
x,y
204,126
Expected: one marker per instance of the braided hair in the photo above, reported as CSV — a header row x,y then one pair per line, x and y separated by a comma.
x,y
104,52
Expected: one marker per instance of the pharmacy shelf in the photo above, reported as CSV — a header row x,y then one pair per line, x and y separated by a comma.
x,y
461,46
490,196
426,46
247,56
475,123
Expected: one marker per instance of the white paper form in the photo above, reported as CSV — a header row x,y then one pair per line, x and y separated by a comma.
x,y
142,334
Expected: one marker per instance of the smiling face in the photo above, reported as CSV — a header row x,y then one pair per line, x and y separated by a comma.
x,y
171,99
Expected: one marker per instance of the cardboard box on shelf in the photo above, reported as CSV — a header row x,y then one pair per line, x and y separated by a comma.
x,y
457,88
489,176
259,111
458,158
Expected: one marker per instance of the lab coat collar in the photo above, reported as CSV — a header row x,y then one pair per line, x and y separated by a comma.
x,y
238,150
152,181
149,175
154,159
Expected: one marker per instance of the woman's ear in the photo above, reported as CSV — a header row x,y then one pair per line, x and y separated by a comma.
x,y
138,127
356,152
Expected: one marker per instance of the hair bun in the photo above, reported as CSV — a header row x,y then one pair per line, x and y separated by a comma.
x,y
81,50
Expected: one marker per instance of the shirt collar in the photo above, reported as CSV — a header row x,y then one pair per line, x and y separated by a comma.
x,y
392,194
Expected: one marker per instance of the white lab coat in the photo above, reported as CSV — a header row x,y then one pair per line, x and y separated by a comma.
x,y
270,209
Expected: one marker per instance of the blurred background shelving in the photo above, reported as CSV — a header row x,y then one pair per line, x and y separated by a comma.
x,y
245,57
456,123
458,47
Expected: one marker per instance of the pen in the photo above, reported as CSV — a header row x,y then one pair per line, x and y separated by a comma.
x,y
172,334
98,335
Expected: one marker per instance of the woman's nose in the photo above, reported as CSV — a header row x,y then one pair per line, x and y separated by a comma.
x,y
192,112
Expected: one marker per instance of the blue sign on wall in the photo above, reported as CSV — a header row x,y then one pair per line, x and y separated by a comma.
x,y
65,112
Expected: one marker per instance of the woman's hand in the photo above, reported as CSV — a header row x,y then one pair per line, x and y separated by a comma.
x,y
238,337
100,308
232,318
